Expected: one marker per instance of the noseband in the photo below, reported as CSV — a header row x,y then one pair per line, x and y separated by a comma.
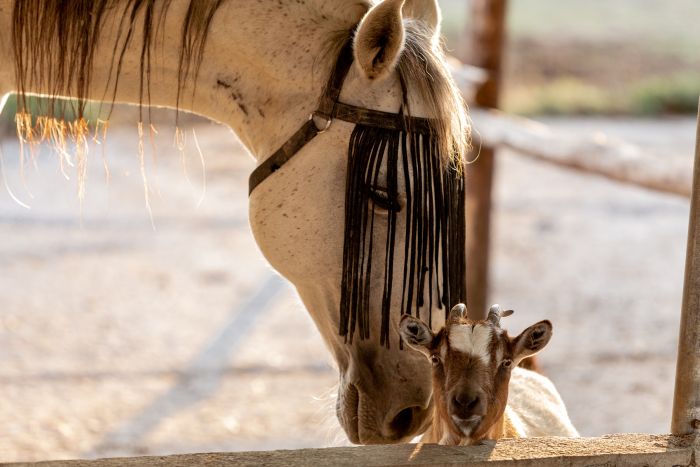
x,y
433,207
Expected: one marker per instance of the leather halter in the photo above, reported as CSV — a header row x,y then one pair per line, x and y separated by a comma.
x,y
329,109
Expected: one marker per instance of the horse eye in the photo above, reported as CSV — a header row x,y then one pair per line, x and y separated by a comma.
x,y
507,363
380,197
435,360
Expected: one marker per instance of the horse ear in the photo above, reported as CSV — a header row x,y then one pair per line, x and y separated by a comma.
x,y
416,333
427,11
532,340
379,39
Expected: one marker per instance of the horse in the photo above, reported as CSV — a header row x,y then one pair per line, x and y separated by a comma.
x,y
357,92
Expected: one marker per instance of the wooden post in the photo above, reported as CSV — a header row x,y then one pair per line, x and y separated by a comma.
x,y
686,398
488,24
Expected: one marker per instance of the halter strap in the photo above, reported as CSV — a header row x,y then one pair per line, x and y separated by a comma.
x,y
329,108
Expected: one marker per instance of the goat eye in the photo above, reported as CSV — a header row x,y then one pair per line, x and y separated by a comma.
x,y
507,363
435,360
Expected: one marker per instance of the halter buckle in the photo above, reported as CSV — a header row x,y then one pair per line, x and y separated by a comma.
x,y
325,121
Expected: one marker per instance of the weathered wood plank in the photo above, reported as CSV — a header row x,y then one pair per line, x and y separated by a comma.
x,y
594,154
618,450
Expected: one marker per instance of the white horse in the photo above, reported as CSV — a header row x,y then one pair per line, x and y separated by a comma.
x,y
259,67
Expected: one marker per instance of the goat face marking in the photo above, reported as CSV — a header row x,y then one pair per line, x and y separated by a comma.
x,y
473,340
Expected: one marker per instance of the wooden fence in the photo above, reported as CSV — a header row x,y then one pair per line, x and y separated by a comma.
x,y
594,154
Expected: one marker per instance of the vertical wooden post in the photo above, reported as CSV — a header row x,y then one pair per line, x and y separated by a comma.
x,y
686,398
488,35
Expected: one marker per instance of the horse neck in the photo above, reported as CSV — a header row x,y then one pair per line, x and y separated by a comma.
x,y
261,72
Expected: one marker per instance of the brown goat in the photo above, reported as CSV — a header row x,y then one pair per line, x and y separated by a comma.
x,y
473,362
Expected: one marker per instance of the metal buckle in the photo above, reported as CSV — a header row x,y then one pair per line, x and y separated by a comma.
x,y
316,116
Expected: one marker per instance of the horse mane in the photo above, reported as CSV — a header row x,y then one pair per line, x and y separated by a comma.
x,y
54,44
424,74
58,39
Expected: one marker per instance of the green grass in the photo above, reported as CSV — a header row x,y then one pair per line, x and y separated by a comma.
x,y
675,94
38,106
671,94
564,96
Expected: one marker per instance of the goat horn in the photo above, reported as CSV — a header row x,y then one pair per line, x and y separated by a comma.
x,y
458,311
496,313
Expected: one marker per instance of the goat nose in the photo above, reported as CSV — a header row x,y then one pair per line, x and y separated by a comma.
x,y
467,403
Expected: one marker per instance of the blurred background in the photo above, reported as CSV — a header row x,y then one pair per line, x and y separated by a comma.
x,y
623,57
118,338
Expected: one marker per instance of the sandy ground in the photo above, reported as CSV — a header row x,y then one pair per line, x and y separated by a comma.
x,y
118,339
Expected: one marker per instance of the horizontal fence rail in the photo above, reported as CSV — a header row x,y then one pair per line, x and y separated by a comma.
x,y
594,154
617,450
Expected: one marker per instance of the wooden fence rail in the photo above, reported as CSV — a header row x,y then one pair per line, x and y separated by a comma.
x,y
617,450
595,154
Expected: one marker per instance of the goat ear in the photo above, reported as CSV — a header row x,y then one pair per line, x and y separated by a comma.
x,y
532,340
379,39
415,333
427,11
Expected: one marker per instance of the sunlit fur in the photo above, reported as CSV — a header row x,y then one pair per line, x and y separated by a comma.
x,y
54,43
424,70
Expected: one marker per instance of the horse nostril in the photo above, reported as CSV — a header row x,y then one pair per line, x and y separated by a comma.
x,y
402,422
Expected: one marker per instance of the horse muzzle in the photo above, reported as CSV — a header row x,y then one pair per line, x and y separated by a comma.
x,y
368,419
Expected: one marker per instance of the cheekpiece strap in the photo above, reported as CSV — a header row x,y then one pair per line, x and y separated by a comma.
x,y
311,128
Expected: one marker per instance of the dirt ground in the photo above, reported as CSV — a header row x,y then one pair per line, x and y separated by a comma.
x,y
120,339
